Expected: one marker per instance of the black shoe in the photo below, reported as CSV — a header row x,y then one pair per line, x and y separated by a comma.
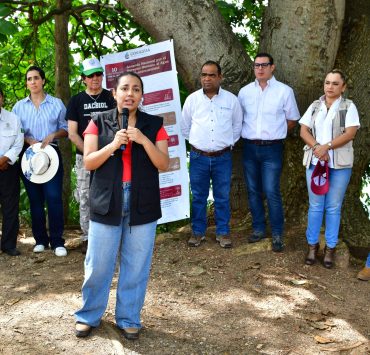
x,y
277,243
82,330
12,252
130,333
256,237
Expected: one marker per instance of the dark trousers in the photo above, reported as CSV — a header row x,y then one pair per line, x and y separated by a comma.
x,y
51,193
9,201
262,170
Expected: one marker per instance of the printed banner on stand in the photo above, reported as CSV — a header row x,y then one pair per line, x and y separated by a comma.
x,y
156,66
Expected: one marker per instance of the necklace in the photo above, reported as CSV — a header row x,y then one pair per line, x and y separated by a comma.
x,y
93,98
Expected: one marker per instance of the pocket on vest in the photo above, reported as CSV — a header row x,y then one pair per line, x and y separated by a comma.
x,y
100,195
344,156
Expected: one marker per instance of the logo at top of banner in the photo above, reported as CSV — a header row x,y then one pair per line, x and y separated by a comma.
x,y
135,52
150,65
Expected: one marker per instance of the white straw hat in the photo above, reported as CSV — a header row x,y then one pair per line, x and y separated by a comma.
x,y
39,165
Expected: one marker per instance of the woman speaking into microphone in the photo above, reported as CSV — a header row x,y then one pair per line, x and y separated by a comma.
x,y
124,206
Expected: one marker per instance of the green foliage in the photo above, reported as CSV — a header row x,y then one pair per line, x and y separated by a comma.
x,y
74,209
24,207
172,226
5,11
6,27
25,48
245,17
95,28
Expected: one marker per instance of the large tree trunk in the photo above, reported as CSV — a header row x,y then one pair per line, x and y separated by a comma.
x,y
200,33
63,92
353,58
303,37
304,49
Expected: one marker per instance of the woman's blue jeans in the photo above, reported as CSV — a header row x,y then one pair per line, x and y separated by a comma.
x,y
202,170
134,247
51,193
329,204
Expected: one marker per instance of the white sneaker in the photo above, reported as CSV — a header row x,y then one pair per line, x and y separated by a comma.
x,y
39,248
60,251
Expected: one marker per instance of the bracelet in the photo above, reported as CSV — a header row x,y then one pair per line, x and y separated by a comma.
x,y
315,145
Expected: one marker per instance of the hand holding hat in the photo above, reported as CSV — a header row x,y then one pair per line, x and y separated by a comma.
x,y
39,165
320,178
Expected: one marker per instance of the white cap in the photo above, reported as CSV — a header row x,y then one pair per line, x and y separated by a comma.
x,y
91,66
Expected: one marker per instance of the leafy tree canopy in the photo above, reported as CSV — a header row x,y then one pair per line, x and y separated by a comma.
x,y
27,38
95,28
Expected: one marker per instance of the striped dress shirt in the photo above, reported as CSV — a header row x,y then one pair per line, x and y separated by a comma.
x,y
40,122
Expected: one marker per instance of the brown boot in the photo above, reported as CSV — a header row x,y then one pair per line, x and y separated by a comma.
x,y
328,257
312,253
364,274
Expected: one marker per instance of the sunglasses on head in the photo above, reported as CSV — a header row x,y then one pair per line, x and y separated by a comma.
x,y
98,74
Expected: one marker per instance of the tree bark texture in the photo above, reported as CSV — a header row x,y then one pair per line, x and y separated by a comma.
x,y
62,91
200,33
303,37
353,57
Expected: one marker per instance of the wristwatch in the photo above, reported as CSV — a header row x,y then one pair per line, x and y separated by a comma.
x,y
330,145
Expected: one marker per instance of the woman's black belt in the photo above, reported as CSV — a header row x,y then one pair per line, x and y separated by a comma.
x,y
216,153
263,142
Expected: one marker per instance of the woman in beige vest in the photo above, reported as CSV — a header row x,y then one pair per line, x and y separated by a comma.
x,y
328,128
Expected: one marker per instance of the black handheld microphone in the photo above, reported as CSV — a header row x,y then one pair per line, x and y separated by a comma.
x,y
124,123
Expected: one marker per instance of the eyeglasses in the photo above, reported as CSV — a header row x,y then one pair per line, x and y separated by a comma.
x,y
99,74
261,65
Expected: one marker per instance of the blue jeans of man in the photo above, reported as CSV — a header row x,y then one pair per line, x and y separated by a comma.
x,y
202,170
51,192
330,204
262,170
133,245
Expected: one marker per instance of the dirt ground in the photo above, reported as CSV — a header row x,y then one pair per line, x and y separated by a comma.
x,y
206,300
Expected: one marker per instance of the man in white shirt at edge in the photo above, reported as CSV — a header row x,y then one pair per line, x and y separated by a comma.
x,y
211,122
270,111
11,143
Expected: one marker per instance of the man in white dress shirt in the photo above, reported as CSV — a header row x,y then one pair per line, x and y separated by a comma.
x,y
270,110
11,143
211,122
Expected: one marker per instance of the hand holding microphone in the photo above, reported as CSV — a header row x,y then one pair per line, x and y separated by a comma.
x,y
125,114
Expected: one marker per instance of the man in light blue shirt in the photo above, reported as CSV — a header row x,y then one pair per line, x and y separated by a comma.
x,y
11,143
43,120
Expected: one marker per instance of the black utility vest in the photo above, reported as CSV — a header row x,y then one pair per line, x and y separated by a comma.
x,y
106,185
